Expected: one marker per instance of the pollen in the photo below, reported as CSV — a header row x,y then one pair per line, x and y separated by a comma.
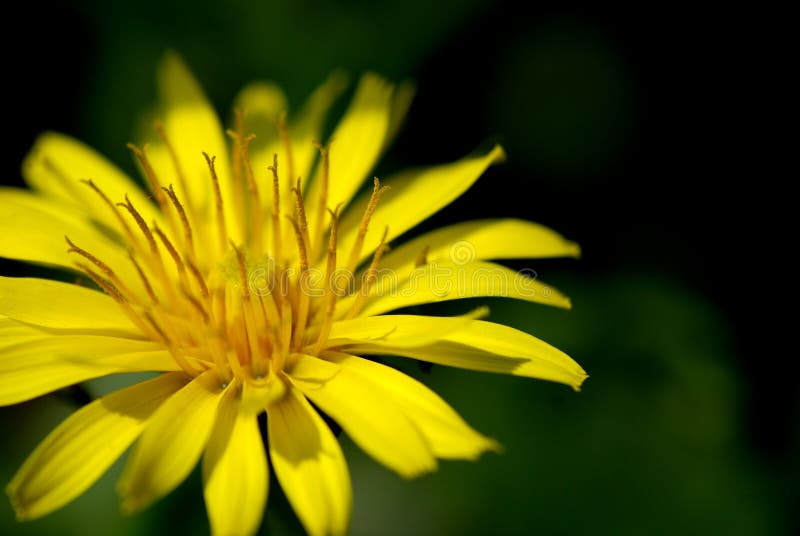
x,y
244,309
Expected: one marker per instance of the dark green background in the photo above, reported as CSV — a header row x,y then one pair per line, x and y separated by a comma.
x,y
612,122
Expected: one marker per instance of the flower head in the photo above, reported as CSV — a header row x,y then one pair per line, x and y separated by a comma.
x,y
252,275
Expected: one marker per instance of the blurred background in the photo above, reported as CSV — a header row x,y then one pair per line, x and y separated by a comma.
x,y
617,125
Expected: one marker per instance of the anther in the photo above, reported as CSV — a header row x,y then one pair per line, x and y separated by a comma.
x,y
223,233
187,229
377,191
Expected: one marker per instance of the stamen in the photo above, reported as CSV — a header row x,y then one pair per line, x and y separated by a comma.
x,y
100,264
332,291
223,233
301,213
303,298
355,253
187,229
201,282
144,279
125,227
371,275
172,253
127,205
179,358
276,209
155,187
175,163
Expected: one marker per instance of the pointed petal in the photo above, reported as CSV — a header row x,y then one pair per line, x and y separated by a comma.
x,y
172,443
448,435
192,127
487,347
82,448
444,281
401,102
309,465
62,306
57,164
235,472
414,196
35,367
374,422
481,240
358,139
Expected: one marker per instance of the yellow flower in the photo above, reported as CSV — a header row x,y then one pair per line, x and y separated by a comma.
x,y
247,277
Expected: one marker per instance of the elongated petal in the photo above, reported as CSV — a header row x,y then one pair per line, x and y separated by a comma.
x,y
481,240
192,127
487,347
235,472
374,422
35,367
396,330
39,227
444,281
358,139
63,306
401,102
414,196
309,465
56,166
172,443
444,430
82,448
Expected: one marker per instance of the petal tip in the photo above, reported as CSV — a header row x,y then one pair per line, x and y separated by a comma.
x,y
498,154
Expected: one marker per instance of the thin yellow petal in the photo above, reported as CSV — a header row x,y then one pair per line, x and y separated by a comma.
x,y
358,139
444,281
447,434
57,164
35,367
375,423
486,347
235,472
82,448
401,102
309,465
172,443
481,240
414,196
62,306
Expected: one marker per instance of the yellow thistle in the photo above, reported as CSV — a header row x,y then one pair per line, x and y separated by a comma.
x,y
248,278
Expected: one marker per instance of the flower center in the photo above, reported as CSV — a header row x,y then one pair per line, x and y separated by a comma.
x,y
242,309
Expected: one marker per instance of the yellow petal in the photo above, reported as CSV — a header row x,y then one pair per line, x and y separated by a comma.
x,y
358,139
235,472
487,347
34,367
481,240
63,306
192,127
309,465
414,196
444,430
374,422
34,231
396,330
13,332
172,443
82,448
443,281
57,164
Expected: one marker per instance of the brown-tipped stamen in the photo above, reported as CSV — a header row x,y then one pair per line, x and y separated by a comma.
x,y
149,172
369,278
114,209
109,273
145,282
187,228
276,211
223,232
355,253
176,164
303,293
332,290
